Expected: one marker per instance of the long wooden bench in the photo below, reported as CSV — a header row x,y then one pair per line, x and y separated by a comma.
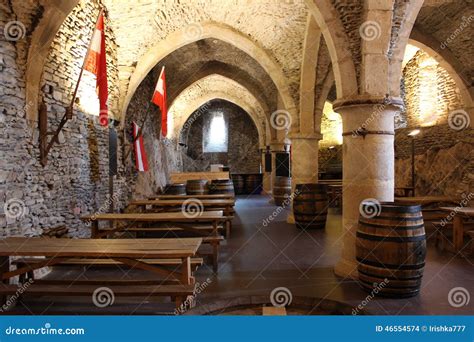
x,y
178,292
22,262
214,241
444,235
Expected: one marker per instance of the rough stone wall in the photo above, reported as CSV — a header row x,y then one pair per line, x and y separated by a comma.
x,y
75,180
429,92
243,154
444,161
162,154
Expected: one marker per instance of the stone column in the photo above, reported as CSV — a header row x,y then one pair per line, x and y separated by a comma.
x,y
304,164
267,176
368,164
275,147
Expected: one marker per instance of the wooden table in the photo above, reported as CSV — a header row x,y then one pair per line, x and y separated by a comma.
x,y
426,200
209,217
164,204
460,215
203,196
130,252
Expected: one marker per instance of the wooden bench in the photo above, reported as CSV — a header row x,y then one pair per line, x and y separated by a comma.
x,y
444,235
212,240
22,262
178,292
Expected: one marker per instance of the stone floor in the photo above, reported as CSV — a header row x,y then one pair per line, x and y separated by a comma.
x,y
258,258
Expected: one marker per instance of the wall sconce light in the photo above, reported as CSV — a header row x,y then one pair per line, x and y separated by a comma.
x,y
414,133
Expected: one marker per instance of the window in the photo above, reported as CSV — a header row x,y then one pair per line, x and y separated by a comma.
x,y
215,137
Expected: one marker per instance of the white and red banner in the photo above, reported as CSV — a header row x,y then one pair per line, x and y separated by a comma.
x,y
141,160
159,98
96,63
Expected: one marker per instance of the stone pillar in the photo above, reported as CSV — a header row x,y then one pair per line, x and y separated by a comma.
x,y
304,163
368,164
267,176
275,147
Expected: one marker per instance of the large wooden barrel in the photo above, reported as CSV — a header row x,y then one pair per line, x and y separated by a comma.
x,y
253,184
310,206
175,189
221,186
197,187
391,248
238,181
281,189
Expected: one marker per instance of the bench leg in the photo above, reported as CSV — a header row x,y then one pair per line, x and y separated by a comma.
x,y
215,256
4,267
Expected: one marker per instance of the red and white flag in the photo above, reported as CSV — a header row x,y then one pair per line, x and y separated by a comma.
x,y
96,63
159,98
141,160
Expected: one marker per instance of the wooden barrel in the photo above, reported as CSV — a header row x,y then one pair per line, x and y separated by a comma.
x,y
310,206
391,248
281,189
238,181
221,186
197,187
175,189
253,184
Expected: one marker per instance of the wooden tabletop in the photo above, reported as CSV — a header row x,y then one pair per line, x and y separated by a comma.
x,y
178,202
464,211
156,217
425,199
100,248
184,197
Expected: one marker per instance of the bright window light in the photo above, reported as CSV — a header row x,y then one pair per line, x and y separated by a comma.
x,y
215,138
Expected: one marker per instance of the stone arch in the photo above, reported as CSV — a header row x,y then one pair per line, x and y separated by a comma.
x,y
53,17
308,75
337,43
215,30
399,45
249,103
318,109
447,61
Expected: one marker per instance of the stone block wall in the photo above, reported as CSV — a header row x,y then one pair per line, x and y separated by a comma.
x,y
243,154
75,179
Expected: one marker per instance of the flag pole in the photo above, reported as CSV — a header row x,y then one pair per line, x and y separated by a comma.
x,y
74,95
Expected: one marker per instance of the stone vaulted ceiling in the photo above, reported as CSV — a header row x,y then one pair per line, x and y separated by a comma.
x,y
277,26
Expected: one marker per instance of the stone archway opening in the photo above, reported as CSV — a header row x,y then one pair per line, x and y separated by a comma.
x,y
220,132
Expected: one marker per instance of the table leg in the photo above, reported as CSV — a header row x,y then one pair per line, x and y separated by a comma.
x,y
458,232
95,229
228,223
186,277
4,267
